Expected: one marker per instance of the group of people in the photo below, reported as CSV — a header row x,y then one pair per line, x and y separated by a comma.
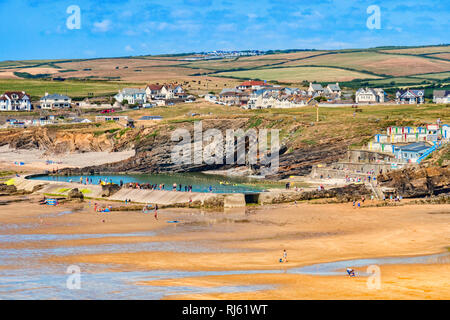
x,y
100,209
146,186
358,204
393,198
161,186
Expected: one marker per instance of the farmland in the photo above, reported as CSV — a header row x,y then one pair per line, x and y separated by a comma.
x,y
389,67
298,74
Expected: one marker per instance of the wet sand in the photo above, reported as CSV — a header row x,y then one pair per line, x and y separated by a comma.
x,y
205,242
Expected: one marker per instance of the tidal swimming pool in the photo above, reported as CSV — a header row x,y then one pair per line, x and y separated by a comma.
x,y
200,182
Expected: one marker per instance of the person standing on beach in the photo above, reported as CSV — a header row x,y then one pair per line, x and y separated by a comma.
x,y
156,211
284,255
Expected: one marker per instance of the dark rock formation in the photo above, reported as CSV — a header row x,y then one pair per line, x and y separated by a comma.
x,y
6,190
75,194
343,194
418,182
154,147
109,189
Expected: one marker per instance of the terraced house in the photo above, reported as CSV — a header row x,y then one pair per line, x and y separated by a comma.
x,y
15,101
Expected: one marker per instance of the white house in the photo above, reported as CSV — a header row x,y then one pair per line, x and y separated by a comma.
x,y
132,95
15,101
315,89
410,96
441,96
333,90
369,95
54,101
152,90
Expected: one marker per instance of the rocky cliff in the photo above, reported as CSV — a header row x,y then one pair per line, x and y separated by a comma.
x,y
55,141
154,147
418,182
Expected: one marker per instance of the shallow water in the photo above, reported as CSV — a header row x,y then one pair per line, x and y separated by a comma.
x,y
31,278
199,181
338,267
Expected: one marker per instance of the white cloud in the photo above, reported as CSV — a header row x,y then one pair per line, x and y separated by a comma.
x,y
102,26
128,48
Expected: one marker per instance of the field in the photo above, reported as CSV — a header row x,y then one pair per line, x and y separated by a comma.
x,y
376,66
37,88
299,74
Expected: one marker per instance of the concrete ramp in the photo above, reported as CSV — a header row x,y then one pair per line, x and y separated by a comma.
x,y
236,200
160,197
57,188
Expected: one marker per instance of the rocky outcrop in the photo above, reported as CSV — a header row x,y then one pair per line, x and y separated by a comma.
x,y
109,189
342,194
56,141
417,182
154,148
6,190
75,194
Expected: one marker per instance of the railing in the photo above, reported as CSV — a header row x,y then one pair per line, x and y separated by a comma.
x,y
428,152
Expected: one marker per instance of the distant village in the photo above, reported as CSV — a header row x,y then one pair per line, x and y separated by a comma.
x,y
247,95
261,95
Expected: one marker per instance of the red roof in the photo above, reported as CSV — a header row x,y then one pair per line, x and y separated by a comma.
x,y
9,94
252,83
154,87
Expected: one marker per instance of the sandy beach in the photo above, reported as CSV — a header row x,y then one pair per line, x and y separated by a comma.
x,y
37,159
216,250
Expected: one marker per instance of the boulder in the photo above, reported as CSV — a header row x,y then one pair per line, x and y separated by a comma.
x,y
109,189
75,194
7,189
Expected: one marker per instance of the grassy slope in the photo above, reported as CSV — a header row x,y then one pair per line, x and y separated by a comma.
x,y
37,88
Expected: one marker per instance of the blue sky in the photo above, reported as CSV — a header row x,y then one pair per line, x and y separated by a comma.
x,y
36,29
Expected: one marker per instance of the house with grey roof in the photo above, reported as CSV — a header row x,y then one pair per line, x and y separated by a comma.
x,y
333,90
370,95
55,101
410,96
315,89
441,96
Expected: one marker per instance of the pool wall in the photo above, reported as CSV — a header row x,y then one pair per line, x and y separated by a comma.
x,y
166,198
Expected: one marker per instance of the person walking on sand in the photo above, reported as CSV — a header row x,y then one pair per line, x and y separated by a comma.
x,y
284,255
156,211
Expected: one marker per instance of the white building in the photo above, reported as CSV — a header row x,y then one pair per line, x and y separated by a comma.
x,y
15,101
333,90
315,89
55,101
369,95
131,95
441,96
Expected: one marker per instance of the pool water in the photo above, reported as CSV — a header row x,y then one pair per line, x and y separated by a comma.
x,y
200,182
